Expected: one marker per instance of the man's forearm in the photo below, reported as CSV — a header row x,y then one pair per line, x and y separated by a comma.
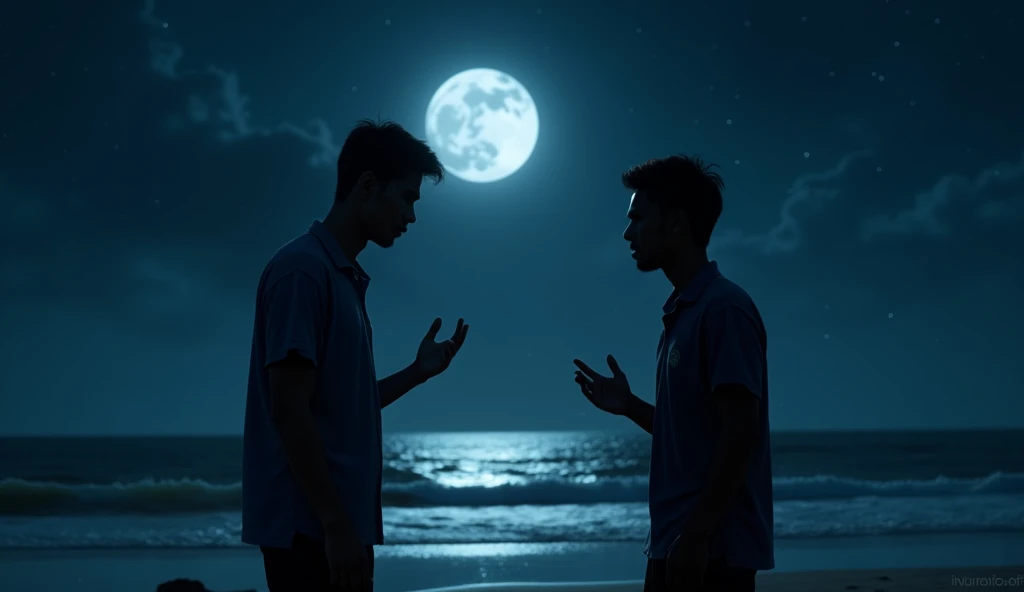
x,y
728,469
307,457
395,386
641,413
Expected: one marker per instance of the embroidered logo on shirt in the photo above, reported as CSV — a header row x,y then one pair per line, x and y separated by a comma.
x,y
673,357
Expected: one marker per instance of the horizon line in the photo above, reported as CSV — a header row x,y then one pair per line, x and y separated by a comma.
x,y
852,430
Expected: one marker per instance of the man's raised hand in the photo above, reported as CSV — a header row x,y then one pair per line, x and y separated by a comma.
x,y
608,393
433,357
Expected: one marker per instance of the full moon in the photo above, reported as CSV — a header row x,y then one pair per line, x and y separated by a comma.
x,y
483,125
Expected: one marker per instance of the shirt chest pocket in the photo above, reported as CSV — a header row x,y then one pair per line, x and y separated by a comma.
x,y
681,371
348,325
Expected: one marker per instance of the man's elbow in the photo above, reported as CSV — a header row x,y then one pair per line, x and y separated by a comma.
x,y
740,411
291,387
748,417
283,410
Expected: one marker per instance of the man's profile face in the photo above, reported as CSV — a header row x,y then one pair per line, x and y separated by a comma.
x,y
390,209
649,234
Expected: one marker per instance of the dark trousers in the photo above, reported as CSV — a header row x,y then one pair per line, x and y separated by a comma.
x,y
718,578
302,568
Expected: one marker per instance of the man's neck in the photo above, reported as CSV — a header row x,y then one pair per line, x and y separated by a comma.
x,y
342,226
685,269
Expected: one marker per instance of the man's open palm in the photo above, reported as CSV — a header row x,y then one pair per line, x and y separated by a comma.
x,y
607,393
434,357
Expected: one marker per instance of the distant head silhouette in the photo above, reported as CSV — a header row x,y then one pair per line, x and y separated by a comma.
x,y
183,585
675,205
380,169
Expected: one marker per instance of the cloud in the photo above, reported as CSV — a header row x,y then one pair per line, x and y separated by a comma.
x,y
996,194
229,113
810,189
1001,211
162,226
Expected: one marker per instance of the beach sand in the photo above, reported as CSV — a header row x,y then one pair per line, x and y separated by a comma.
x,y
868,580
810,565
898,580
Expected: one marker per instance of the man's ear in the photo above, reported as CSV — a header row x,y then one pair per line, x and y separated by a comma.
x,y
677,222
366,186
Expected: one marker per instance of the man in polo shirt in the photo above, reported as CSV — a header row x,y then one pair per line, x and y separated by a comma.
x,y
312,463
710,491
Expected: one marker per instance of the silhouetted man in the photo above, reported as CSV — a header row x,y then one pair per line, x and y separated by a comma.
x,y
710,484
311,480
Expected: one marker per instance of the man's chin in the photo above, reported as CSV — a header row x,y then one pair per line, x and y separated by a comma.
x,y
384,243
646,266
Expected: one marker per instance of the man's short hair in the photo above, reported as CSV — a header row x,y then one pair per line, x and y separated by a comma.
x,y
681,183
388,151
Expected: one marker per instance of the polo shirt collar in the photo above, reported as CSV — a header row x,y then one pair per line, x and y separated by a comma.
x,y
327,240
705,275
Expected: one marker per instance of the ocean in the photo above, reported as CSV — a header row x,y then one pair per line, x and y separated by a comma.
x,y
507,487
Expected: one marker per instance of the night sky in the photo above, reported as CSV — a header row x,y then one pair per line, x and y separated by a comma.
x,y
153,156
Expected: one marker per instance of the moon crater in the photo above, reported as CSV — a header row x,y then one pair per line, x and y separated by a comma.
x,y
483,125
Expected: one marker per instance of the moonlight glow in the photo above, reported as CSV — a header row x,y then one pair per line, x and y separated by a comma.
x,y
483,125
